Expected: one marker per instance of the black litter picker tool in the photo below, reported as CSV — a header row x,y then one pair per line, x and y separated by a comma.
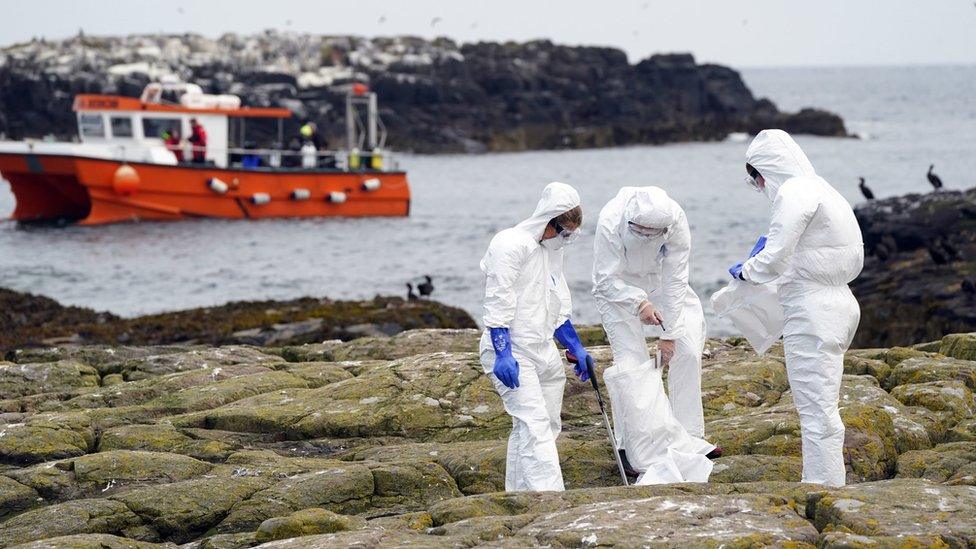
x,y
603,410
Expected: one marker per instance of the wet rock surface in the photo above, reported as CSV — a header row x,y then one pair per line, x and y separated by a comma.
x,y
401,441
435,95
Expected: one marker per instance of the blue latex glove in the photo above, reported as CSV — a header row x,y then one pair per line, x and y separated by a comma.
x,y
736,270
760,244
566,334
506,368
581,367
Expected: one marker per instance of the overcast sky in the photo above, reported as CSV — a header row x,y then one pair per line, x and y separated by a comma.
x,y
743,33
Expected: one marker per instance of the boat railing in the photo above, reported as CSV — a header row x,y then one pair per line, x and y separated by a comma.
x,y
254,158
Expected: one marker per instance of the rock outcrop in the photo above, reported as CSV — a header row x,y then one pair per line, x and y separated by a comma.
x,y
390,441
27,319
919,251
436,96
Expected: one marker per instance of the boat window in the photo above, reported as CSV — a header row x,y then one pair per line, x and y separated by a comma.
x,y
91,125
156,127
121,126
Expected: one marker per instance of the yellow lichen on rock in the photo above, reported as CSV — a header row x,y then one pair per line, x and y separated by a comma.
x,y
405,443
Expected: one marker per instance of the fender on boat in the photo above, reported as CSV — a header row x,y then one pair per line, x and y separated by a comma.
x,y
217,186
125,180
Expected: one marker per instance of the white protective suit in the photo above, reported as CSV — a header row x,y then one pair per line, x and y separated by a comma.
x,y
527,293
627,270
813,250
661,438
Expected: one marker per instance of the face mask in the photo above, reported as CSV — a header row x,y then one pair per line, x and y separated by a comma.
x,y
554,243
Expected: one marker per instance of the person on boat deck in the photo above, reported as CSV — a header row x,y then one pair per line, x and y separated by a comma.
x,y
310,134
198,138
174,143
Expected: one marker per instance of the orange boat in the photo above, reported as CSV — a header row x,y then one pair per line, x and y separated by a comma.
x,y
122,169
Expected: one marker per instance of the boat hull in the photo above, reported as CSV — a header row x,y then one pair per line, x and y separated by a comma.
x,y
85,190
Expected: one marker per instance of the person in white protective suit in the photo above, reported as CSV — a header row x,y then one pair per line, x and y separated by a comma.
x,y
527,304
640,278
812,252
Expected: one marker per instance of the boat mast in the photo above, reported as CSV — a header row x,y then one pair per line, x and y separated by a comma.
x,y
360,96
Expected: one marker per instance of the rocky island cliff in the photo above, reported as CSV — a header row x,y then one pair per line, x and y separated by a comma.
x,y
435,96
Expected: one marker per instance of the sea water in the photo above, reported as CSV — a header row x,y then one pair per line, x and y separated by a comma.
x,y
907,117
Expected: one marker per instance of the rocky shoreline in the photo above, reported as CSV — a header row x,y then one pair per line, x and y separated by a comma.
x,y
30,320
435,96
919,250
393,441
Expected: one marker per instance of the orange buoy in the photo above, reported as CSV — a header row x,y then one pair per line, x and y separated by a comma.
x,y
125,181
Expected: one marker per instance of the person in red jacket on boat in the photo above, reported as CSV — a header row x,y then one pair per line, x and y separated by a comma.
x,y
173,142
198,138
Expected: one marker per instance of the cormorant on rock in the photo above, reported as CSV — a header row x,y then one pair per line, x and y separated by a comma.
x,y
410,295
934,179
427,287
865,190
968,286
938,254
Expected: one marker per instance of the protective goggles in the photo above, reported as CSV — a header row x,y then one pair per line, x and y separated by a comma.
x,y
752,180
567,235
647,232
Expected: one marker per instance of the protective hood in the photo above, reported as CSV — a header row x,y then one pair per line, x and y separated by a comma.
x,y
778,159
650,207
557,199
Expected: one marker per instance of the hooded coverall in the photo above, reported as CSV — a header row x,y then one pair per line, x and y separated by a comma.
x,y
662,438
526,292
813,251
628,270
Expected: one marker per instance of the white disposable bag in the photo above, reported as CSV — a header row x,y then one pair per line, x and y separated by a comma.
x,y
654,440
755,311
